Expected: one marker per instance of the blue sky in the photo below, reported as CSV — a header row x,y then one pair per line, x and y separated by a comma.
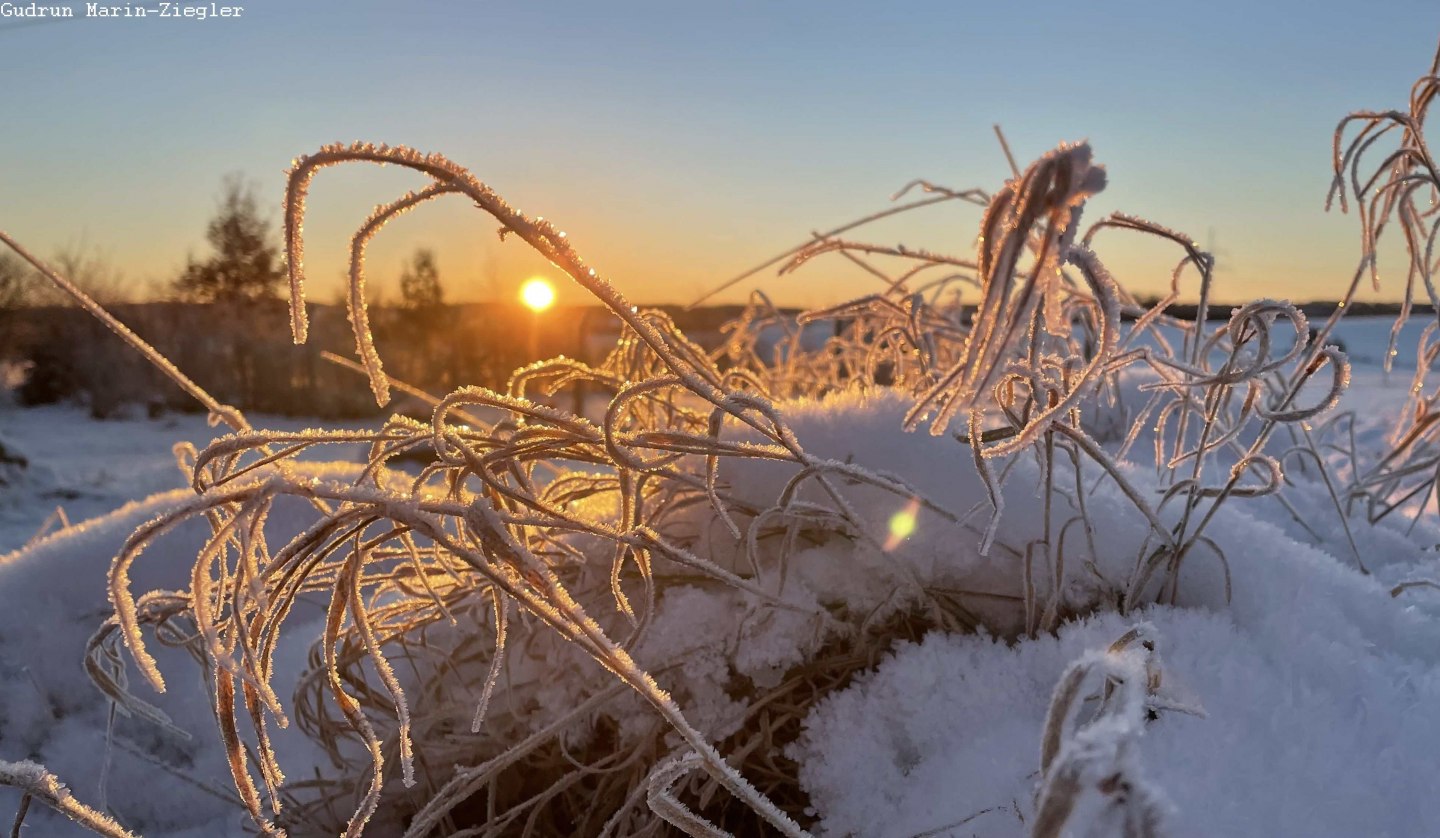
x,y
680,142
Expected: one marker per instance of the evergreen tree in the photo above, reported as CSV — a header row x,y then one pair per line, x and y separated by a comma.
x,y
246,266
425,324
242,274
420,291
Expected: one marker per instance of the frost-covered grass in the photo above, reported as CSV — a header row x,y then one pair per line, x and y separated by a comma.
x,y
1050,562
945,732
88,469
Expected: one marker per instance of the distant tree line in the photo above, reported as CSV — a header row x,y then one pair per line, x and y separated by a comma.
x,y
225,325
1315,309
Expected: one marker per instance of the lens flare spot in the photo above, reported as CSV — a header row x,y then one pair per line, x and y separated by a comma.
x,y
902,524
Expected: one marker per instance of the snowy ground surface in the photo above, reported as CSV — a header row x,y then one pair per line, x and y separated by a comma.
x,y
1320,689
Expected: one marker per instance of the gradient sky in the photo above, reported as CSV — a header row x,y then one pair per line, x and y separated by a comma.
x,y
679,143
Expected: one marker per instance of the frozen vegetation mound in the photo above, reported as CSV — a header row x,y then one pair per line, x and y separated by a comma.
x,y
1011,551
1307,660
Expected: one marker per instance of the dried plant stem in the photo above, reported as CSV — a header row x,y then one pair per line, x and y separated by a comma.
x,y
39,784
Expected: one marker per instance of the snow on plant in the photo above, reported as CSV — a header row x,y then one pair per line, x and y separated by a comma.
x,y
1401,189
579,526
613,626
1099,755
37,783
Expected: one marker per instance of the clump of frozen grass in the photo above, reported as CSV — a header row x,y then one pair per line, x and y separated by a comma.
x,y
581,527
584,530
1402,190
512,626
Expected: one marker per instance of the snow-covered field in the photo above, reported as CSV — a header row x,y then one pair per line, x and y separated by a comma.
x,y
1319,689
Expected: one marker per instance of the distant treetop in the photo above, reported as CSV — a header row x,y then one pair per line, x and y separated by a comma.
x,y
245,266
